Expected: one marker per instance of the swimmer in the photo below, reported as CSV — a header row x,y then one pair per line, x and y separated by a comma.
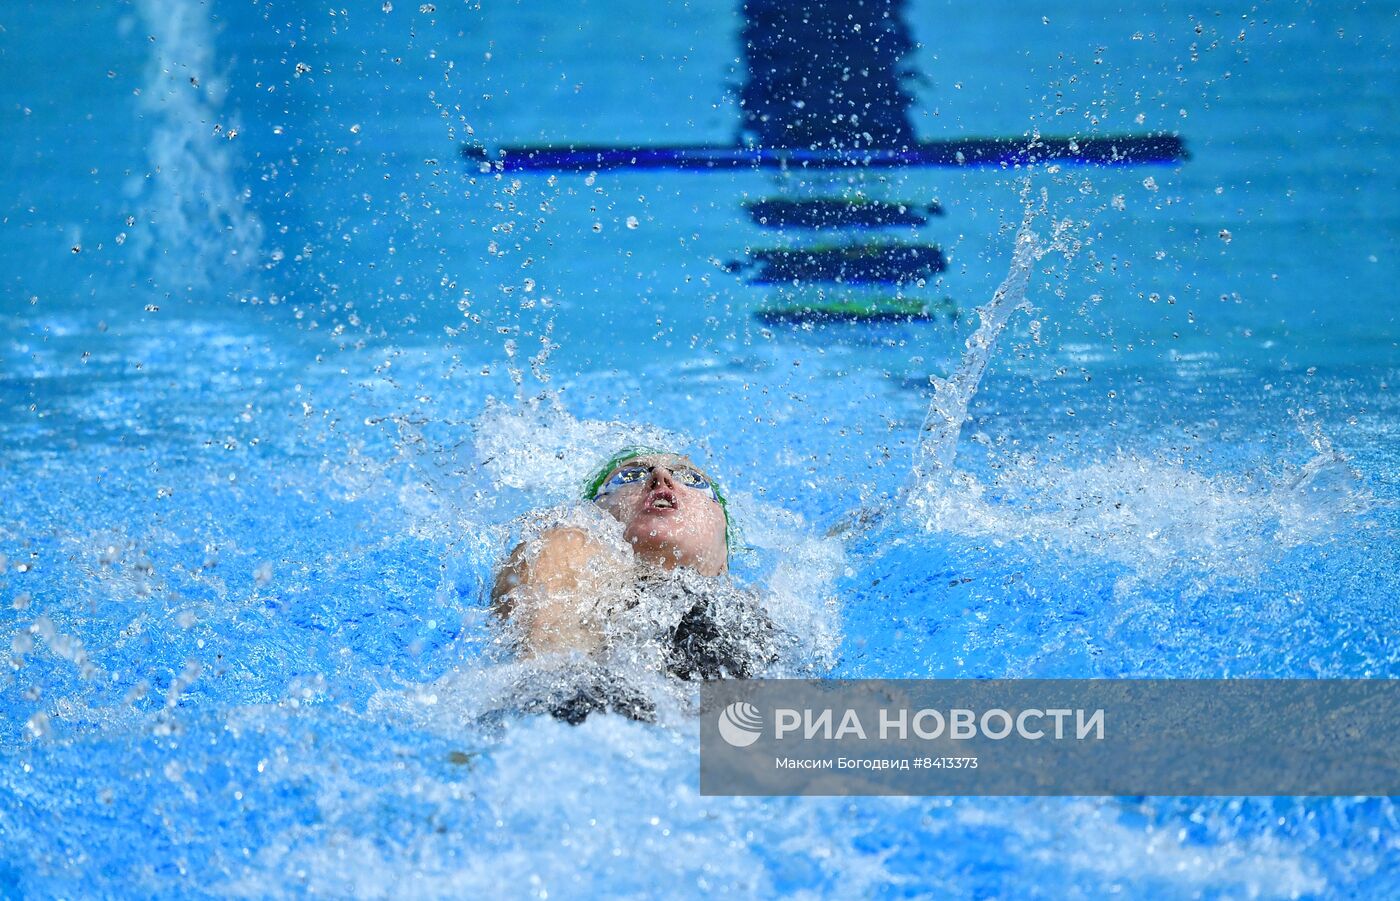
x,y
584,588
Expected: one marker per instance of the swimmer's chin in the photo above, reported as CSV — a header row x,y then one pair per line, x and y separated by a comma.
x,y
655,554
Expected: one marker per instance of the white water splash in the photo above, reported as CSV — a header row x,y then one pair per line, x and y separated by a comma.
x,y
199,230
934,459
1090,835
1151,516
539,446
938,444
801,597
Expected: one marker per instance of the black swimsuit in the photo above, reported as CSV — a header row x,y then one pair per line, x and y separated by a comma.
x,y
723,634
704,644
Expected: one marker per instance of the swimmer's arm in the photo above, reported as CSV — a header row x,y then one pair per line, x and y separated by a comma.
x,y
552,586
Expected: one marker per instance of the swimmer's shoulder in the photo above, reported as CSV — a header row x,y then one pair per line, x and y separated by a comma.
x,y
559,556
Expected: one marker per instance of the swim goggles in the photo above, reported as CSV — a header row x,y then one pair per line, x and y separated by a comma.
x,y
635,473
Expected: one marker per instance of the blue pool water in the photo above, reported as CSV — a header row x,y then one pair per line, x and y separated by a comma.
x,y
280,369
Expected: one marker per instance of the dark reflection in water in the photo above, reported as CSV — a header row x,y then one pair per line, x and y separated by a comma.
x,y
827,74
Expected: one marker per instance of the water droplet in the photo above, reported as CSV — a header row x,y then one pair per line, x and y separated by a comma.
x,y
137,692
38,725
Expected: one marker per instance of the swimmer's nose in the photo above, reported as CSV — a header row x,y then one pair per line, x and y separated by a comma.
x,y
660,475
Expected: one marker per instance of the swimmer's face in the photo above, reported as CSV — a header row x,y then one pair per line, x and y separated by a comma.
x,y
668,519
